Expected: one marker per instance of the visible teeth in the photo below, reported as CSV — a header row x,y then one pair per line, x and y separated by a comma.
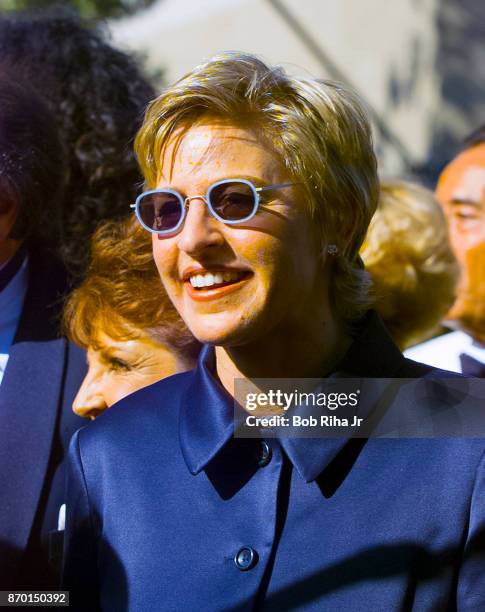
x,y
208,279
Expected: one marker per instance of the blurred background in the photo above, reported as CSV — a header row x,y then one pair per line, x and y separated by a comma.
x,y
419,65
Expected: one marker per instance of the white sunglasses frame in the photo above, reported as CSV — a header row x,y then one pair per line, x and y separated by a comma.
x,y
184,203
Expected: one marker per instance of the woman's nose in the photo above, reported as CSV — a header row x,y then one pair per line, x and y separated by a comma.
x,y
200,230
89,401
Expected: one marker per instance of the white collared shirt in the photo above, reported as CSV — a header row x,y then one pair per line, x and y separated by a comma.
x,y
444,351
11,302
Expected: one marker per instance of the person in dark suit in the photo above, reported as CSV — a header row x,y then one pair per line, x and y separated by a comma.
x,y
97,95
260,189
40,371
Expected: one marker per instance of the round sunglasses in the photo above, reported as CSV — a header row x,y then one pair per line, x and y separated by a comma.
x,y
232,201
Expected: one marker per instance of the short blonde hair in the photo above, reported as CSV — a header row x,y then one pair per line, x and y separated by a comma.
x,y
318,129
408,254
122,294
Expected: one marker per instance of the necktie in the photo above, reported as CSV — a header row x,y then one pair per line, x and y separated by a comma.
x,y
11,269
471,366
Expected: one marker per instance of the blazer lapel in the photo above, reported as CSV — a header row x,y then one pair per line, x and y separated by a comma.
x,y
29,401
29,397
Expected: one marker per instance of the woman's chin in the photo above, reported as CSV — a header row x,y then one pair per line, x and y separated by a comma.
x,y
221,330
224,338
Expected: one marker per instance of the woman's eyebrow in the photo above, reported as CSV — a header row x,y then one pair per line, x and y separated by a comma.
x,y
468,201
257,182
251,179
108,352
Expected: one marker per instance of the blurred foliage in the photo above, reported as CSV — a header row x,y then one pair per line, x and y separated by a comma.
x,y
86,8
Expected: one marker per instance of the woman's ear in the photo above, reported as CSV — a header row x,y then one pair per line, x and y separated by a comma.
x,y
8,197
9,210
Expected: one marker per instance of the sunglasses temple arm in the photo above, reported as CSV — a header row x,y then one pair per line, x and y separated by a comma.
x,y
272,187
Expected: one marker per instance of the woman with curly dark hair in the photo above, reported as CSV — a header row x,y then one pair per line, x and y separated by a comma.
x,y
98,95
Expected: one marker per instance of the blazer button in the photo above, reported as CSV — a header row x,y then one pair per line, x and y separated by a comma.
x,y
246,558
264,454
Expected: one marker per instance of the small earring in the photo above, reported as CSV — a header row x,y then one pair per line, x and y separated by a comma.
x,y
332,249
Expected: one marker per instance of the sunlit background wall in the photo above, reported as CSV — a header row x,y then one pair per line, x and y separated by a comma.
x,y
419,65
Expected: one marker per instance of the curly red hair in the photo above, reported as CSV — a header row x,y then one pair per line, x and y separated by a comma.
x,y
122,295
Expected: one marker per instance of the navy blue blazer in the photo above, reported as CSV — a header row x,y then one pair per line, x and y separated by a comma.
x,y
166,510
43,374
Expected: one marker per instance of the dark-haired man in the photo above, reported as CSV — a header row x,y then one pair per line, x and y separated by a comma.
x,y
39,371
461,193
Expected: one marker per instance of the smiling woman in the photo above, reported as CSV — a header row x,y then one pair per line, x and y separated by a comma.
x,y
259,191
272,271
121,315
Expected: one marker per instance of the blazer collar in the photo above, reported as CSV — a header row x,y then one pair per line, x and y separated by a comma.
x,y
373,353
207,420
207,414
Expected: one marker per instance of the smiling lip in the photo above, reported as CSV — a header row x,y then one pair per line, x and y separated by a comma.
x,y
204,294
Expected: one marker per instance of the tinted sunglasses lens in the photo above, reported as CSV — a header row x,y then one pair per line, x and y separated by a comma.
x,y
233,201
160,212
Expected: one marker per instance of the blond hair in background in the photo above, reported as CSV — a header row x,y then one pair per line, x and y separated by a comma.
x,y
408,254
318,129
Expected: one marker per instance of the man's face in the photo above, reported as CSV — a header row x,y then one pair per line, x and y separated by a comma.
x,y
461,193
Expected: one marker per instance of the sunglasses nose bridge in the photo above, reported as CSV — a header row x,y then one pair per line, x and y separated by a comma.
x,y
195,197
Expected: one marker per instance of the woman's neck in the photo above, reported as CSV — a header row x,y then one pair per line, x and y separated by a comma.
x,y
304,353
